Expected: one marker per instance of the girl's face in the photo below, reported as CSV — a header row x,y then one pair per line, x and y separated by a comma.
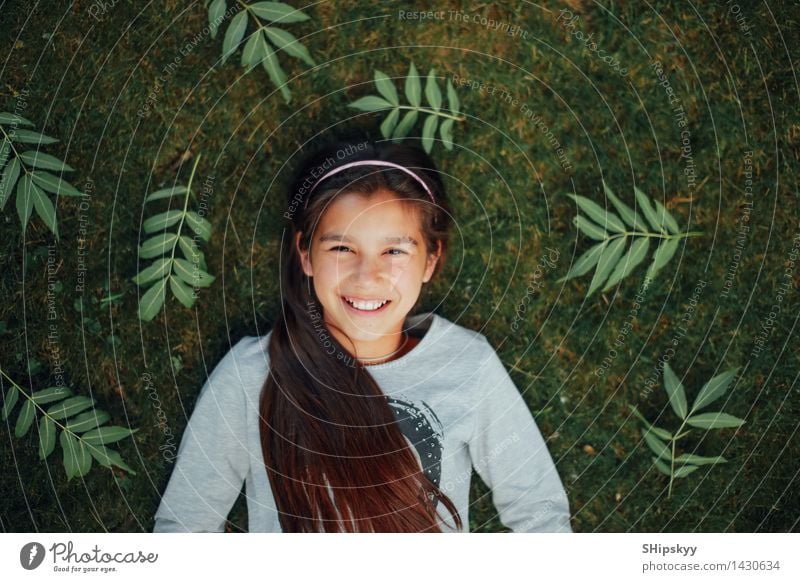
x,y
368,262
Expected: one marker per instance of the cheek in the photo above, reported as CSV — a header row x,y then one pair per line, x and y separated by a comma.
x,y
330,264
398,270
329,272
406,273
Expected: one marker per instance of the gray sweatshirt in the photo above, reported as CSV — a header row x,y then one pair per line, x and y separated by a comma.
x,y
454,402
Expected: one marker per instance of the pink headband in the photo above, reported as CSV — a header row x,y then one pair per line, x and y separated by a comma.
x,y
370,163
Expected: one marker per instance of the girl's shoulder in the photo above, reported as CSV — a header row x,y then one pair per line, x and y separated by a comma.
x,y
449,341
246,364
451,333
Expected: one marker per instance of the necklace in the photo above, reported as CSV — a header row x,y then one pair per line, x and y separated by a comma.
x,y
375,360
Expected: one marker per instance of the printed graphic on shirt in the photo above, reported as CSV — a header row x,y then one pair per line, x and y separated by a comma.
x,y
424,430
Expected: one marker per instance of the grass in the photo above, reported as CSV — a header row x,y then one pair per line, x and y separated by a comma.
x,y
86,80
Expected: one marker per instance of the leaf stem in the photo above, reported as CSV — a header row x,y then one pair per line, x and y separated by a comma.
x,y
44,412
672,461
250,11
430,111
183,214
29,397
16,155
656,235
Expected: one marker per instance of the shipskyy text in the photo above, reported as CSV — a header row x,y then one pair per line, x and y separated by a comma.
x,y
664,550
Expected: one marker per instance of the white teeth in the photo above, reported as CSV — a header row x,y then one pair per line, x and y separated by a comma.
x,y
367,305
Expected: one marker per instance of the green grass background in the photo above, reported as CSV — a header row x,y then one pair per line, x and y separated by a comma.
x,y
86,79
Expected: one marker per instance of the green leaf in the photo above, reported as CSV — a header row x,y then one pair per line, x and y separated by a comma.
x,y
662,256
629,262
589,228
5,152
44,208
234,35
192,251
157,270
698,460
685,470
181,292
432,92
88,420
413,87
8,180
47,437
254,51
69,449
24,200
709,420
54,184
388,125
12,395
446,131
405,125
190,275
44,161
162,221
659,432
276,74
662,467
605,263
278,12
49,395
107,457
166,193
429,132
152,300
664,217
452,98
370,103
25,419
647,209
585,262
106,435
28,136
77,460
386,88
675,391
199,225
288,43
216,11
13,119
713,389
70,407
600,215
626,212
657,446
157,245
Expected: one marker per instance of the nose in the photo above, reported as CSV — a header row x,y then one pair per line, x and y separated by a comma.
x,y
369,270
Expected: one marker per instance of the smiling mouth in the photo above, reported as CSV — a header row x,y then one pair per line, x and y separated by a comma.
x,y
366,306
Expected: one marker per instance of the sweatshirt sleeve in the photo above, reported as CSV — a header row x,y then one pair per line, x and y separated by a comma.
x,y
510,455
212,460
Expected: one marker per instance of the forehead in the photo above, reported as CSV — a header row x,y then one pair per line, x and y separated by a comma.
x,y
378,216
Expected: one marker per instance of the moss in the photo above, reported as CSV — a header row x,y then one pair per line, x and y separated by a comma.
x,y
87,83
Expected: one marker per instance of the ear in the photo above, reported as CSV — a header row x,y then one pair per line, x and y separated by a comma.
x,y
305,261
433,258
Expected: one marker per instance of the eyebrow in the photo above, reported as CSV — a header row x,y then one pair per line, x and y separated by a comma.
x,y
394,240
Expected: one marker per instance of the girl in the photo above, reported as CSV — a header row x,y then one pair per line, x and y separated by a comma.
x,y
351,414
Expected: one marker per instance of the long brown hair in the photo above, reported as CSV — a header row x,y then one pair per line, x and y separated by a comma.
x,y
324,421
